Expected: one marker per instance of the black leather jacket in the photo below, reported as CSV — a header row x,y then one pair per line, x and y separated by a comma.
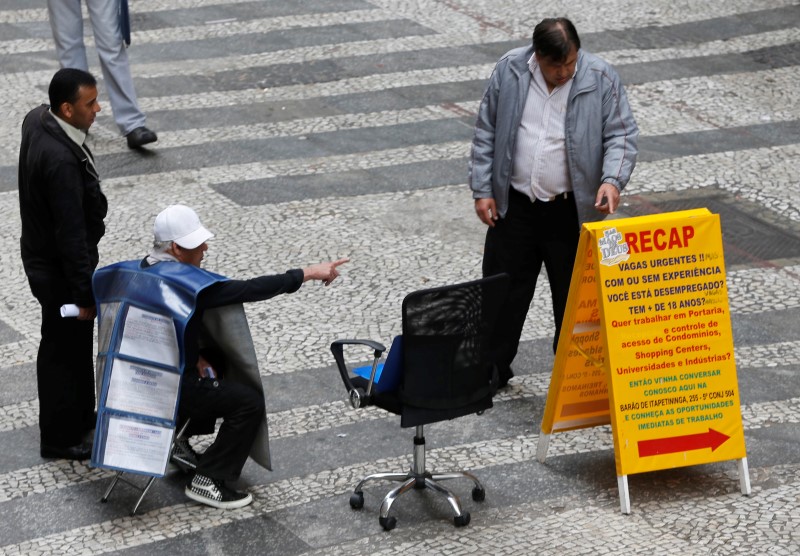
x,y
61,205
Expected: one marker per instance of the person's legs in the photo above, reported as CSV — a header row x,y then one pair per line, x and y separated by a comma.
x,y
66,22
511,248
242,410
65,372
114,63
559,247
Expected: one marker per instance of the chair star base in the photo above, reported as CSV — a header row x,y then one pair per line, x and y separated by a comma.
x,y
419,479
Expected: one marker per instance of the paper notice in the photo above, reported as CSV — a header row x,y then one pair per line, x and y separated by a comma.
x,y
149,336
70,310
142,389
137,446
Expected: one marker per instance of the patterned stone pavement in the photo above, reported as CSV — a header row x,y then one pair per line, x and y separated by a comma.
x,y
312,130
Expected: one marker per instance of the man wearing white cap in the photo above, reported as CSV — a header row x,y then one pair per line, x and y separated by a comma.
x,y
180,236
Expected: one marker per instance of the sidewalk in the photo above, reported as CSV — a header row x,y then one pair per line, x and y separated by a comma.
x,y
307,131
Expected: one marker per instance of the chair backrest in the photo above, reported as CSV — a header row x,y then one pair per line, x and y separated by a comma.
x,y
447,355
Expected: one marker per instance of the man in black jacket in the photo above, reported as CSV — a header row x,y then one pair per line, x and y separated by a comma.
x,y
62,210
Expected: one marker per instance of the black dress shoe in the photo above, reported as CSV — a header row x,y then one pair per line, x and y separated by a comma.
x,y
79,451
141,136
504,376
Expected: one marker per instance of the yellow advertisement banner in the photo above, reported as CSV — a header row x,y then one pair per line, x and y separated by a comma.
x,y
648,308
578,395
674,394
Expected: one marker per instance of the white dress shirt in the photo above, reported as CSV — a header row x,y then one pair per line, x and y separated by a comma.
x,y
540,156
77,136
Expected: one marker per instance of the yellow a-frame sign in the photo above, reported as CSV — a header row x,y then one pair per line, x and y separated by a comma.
x,y
646,345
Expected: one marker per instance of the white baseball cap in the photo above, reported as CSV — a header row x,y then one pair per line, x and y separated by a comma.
x,y
180,224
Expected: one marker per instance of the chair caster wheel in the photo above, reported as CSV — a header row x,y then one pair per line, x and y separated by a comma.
x,y
461,520
478,494
389,523
357,500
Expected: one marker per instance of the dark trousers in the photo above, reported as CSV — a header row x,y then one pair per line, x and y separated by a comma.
x,y
242,410
529,235
64,370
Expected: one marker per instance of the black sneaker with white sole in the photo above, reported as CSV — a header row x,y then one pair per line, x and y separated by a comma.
x,y
212,492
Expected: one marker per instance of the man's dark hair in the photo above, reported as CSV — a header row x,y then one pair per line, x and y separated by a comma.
x,y
554,38
65,85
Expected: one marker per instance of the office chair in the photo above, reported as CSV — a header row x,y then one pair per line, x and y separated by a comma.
x,y
444,370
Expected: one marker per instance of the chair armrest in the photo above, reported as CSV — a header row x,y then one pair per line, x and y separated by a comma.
x,y
358,397
377,346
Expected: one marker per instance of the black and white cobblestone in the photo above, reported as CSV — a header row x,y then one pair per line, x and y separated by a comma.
x,y
295,129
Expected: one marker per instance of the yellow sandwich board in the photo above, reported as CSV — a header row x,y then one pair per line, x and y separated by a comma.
x,y
646,345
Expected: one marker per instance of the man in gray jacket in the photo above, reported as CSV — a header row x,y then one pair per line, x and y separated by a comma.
x,y
555,143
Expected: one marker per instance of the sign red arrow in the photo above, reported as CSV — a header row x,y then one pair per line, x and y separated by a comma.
x,y
659,446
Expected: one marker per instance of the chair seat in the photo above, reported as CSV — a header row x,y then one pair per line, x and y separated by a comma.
x,y
411,415
388,401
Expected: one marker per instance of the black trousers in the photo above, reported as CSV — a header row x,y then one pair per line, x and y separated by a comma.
x,y
242,410
64,369
531,234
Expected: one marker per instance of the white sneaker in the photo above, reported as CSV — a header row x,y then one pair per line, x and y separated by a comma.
x,y
212,492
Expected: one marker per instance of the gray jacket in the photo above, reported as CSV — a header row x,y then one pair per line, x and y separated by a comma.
x,y
601,134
